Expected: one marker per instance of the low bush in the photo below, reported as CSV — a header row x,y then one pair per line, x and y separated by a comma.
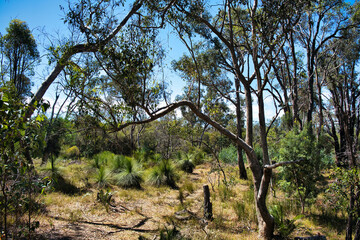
x,y
72,152
228,155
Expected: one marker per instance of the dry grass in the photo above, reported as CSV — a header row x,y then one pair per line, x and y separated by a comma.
x,y
133,213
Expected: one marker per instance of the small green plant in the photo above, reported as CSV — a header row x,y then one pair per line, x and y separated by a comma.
x,y
283,225
170,234
130,175
104,198
163,174
239,209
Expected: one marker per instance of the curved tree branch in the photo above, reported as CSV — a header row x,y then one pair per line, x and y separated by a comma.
x,y
79,48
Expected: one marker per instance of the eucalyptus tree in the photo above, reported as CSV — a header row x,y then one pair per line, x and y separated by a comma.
x,y
20,53
97,26
246,35
321,22
204,81
343,119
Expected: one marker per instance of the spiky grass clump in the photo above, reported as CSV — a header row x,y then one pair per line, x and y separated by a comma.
x,y
102,177
187,166
163,174
117,163
130,174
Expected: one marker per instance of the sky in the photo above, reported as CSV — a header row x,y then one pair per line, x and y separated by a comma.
x,y
46,16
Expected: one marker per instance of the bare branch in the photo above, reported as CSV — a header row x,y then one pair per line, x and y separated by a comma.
x,y
275,165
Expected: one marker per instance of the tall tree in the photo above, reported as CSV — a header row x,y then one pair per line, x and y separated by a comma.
x,y
21,53
321,22
342,79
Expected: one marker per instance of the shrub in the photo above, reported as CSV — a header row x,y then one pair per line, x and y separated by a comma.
x,y
228,155
198,156
187,166
163,174
130,175
72,152
303,178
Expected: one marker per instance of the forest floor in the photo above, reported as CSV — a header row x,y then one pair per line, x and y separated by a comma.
x,y
151,211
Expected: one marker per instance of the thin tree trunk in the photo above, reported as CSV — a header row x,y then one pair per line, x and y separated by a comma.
x,y
241,165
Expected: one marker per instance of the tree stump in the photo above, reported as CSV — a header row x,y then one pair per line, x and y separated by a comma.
x,y
207,204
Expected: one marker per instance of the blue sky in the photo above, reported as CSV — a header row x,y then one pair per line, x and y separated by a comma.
x,y
37,13
46,15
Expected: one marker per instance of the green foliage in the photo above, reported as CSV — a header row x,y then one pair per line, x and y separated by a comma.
x,y
301,179
72,152
170,234
117,163
239,209
20,52
344,183
198,156
228,155
130,174
283,225
18,182
102,177
187,166
103,158
163,174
